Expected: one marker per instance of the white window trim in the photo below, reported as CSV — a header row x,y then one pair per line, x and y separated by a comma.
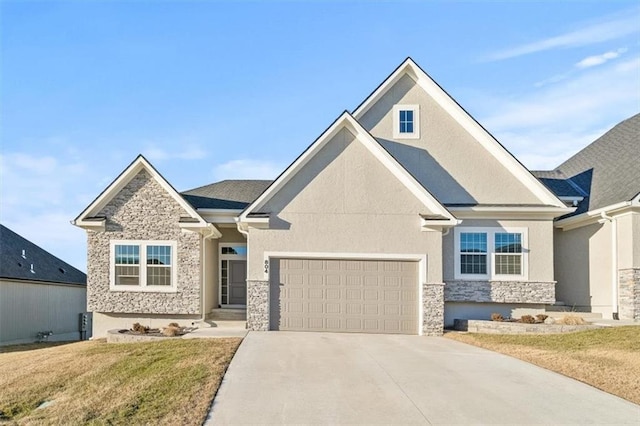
x,y
222,257
143,287
396,121
491,231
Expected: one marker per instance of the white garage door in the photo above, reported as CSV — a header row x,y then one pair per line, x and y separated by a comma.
x,y
363,296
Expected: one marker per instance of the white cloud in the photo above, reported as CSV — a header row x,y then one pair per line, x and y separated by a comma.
x,y
247,169
611,28
545,127
594,60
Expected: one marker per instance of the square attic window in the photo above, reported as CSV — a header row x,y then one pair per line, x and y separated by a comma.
x,y
406,121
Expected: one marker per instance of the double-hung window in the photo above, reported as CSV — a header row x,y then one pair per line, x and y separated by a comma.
x,y
406,121
490,253
143,266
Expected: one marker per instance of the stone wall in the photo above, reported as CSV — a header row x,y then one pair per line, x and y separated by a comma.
x,y
433,309
258,305
500,291
498,327
629,293
143,210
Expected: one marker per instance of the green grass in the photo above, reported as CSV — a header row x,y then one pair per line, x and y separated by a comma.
x,y
166,382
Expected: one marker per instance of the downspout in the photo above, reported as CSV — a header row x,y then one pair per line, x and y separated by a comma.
x,y
204,281
614,262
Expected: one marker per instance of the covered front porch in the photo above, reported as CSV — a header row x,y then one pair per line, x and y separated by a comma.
x,y
225,275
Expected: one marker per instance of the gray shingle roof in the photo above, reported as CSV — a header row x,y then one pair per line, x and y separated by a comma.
x,y
607,170
46,266
227,194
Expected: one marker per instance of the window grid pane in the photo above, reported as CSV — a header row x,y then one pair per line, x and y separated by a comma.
x,y
406,121
508,242
473,264
127,255
224,282
473,242
508,264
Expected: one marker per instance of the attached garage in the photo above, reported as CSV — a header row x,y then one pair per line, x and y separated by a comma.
x,y
344,295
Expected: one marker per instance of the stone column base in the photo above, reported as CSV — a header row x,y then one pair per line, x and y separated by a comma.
x,y
433,309
258,305
629,293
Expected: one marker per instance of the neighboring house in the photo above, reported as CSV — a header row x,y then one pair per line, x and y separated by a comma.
x,y
39,293
597,247
401,216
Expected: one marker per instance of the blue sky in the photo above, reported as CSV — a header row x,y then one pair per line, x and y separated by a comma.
x,y
212,90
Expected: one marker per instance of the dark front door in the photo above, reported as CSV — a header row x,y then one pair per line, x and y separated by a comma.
x,y
237,282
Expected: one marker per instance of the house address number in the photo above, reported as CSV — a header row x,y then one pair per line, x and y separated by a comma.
x,y
266,266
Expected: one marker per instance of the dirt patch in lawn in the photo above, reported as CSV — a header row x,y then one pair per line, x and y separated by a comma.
x,y
606,359
167,382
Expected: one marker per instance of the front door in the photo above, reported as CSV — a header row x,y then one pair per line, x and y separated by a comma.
x,y
237,282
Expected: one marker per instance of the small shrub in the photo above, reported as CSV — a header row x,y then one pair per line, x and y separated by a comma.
x,y
496,317
174,324
139,328
527,319
172,331
541,317
571,320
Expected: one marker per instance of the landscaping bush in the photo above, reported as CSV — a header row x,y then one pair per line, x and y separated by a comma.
x,y
541,317
139,328
174,324
496,317
571,320
172,331
527,319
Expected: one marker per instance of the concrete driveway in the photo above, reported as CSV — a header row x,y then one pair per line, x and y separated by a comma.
x,y
325,378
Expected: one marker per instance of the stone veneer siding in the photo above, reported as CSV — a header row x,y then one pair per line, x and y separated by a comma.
x,y
629,293
433,309
258,305
500,291
143,210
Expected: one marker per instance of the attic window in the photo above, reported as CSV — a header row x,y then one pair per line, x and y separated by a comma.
x,y
406,121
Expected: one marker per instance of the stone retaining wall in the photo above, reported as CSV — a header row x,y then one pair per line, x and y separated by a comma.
x,y
258,305
500,291
498,327
629,293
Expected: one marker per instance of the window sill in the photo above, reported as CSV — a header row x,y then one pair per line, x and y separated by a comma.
x,y
136,289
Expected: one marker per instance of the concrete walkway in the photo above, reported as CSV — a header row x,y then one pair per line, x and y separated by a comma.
x,y
325,378
219,329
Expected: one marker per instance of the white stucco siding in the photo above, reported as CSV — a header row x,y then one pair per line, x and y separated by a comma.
x,y
446,159
540,246
27,308
345,201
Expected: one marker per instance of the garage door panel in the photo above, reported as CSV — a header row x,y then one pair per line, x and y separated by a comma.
x,y
344,295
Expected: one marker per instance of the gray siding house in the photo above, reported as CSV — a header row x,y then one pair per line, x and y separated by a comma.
x,y
39,293
401,216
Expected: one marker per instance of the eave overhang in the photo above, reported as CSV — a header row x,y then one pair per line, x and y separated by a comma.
x,y
593,216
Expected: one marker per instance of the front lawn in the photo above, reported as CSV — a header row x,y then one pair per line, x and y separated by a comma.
x,y
608,358
168,382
